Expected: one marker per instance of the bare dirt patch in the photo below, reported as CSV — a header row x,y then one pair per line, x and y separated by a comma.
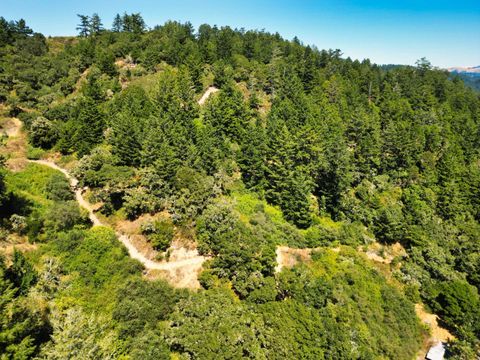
x,y
289,257
15,147
385,253
437,333
15,241
182,277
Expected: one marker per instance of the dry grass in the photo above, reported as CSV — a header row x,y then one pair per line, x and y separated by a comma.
x,y
15,148
15,241
184,277
289,257
384,253
183,245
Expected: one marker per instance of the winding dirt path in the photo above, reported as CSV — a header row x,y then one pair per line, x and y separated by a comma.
x,y
211,90
195,261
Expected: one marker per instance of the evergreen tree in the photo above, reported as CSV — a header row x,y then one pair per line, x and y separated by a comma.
x,y
117,25
84,27
90,125
126,139
96,25
252,159
228,114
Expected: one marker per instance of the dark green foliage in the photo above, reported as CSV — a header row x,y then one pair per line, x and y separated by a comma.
x,y
84,26
105,60
21,273
3,188
89,126
211,325
58,188
159,233
23,325
43,133
63,216
141,305
243,254
391,154
328,295
458,305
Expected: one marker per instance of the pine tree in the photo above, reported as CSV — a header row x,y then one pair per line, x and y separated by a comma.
x,y
126,140
84,26
90,124
117,25
96,26
228,114
253,157
105,60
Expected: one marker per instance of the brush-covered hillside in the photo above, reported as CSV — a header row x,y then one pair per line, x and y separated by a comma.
x,y
219,193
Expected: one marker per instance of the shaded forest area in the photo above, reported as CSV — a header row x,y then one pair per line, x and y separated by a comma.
x,y
300,147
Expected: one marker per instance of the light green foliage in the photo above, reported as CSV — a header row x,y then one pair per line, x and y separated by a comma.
x,y
98,261
320,311
44,198
214,325
77,335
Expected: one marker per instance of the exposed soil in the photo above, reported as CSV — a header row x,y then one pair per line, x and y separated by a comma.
x,y
183,265
211,90
437,333
384,253
15,148
288,257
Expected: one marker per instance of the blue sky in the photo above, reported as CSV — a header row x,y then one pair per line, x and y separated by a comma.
x,y
445,32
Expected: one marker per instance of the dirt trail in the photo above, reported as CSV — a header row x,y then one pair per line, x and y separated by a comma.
x,y
15,149
195,261
211,90
12,127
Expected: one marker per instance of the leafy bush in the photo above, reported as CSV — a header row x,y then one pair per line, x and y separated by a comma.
x,y
43,133
58,188
34,153
159,233
64,215
138,202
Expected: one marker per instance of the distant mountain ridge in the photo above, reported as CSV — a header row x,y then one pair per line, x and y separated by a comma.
x,y
469,74
465,69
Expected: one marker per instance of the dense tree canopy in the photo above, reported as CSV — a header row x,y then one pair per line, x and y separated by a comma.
x,y
299,147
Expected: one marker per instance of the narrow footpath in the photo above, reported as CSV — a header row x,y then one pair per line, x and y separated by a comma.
x,y
124,239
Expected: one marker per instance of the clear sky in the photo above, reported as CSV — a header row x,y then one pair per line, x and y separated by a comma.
x,y
398,32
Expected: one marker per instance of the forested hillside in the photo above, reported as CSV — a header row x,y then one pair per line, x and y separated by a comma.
x,y
300,148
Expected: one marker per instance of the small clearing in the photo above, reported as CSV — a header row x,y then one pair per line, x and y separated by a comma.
x,y
384,253
288,257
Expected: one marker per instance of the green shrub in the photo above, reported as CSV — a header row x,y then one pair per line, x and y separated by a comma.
x,y
34,153
43,133
64,215
58,188
160,233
